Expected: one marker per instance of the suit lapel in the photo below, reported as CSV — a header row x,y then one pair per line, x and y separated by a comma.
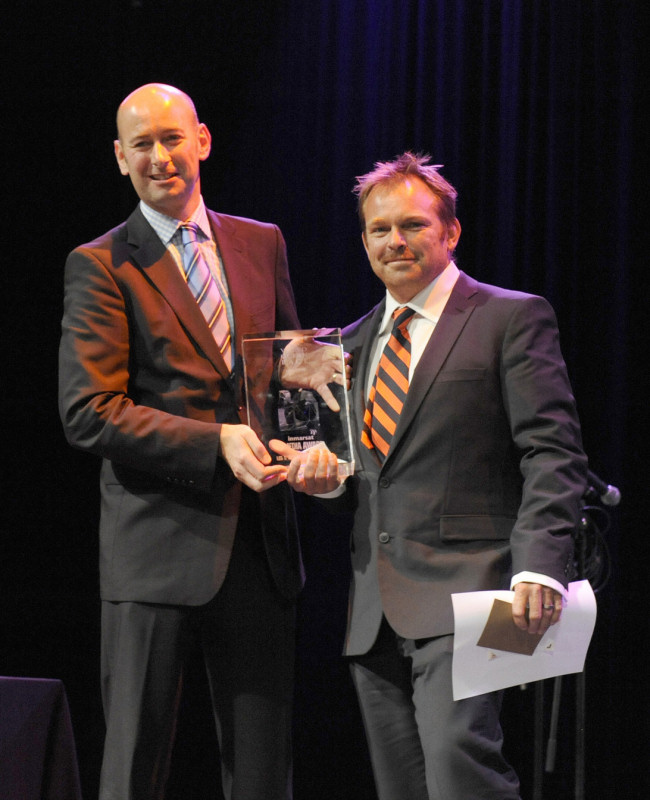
x,y
232,249
361,364
453,319
160,268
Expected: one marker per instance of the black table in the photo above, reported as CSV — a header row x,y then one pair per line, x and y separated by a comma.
x,y
38,758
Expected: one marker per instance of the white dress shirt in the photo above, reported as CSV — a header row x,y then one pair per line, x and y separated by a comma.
x,y
428,305
167,229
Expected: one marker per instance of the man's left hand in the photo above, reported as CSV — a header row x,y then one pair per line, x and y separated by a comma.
x,y
535,607
307,363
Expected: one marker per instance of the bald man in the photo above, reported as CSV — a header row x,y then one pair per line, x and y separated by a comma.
x,y
198,539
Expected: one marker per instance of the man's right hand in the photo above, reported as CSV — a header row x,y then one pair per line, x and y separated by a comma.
x,y
249,459
313,471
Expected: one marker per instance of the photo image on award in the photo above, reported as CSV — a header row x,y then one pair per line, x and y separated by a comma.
x,y
295,391
298,412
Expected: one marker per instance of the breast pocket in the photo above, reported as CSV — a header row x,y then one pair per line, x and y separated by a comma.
x,y
263,316
475,527
462,375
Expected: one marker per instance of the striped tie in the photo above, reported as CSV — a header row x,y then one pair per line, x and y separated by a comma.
x,y
389,387
205,290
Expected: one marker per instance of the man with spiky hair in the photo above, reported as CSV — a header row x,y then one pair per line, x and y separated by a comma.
x,y
470,475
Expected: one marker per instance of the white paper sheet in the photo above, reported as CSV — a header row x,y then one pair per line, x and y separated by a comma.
x,y
561,651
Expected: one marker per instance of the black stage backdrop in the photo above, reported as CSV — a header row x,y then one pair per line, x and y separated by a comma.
x,y
535,107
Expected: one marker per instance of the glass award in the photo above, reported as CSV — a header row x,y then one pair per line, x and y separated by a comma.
x,y
292,393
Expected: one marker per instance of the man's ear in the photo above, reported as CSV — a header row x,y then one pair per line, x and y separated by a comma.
x,y
119,155
205,141
453,235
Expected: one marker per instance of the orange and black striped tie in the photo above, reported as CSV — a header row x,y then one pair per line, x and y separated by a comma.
x,y
389,387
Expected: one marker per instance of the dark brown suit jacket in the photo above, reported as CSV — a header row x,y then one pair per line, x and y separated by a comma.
x,y
143,385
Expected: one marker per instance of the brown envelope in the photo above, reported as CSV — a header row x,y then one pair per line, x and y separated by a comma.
x,y
501,633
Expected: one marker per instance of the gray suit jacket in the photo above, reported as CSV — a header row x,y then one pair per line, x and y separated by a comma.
x,y
485,472
143,385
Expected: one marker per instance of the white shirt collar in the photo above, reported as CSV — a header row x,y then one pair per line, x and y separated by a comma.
x,y
429,302
166,226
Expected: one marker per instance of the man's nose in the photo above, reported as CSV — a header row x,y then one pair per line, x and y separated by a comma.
x,y
159,154
396,239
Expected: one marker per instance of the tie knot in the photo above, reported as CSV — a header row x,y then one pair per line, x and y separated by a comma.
x,y
401,316
189,233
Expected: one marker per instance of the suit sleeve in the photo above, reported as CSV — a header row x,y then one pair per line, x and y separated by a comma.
x,y
97,374
285,304
545,429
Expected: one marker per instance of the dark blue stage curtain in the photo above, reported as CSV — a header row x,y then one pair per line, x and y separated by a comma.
x,y
536,108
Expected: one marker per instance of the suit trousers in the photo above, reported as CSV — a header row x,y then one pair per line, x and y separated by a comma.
x,y
424,745
246,634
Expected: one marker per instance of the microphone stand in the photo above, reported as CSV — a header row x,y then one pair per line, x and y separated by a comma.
x,y
588,539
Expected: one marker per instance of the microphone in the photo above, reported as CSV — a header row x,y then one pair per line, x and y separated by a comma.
x,y
609,495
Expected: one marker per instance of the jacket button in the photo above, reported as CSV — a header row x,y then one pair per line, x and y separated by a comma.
x,y
384,483
384,538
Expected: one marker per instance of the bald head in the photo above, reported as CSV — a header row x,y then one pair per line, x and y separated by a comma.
x,y
153,95
159,146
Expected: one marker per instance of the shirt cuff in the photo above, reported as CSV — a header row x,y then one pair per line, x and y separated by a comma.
x,y
334,493
536,577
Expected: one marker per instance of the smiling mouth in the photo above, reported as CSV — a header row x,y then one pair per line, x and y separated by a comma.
x,y
166,177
